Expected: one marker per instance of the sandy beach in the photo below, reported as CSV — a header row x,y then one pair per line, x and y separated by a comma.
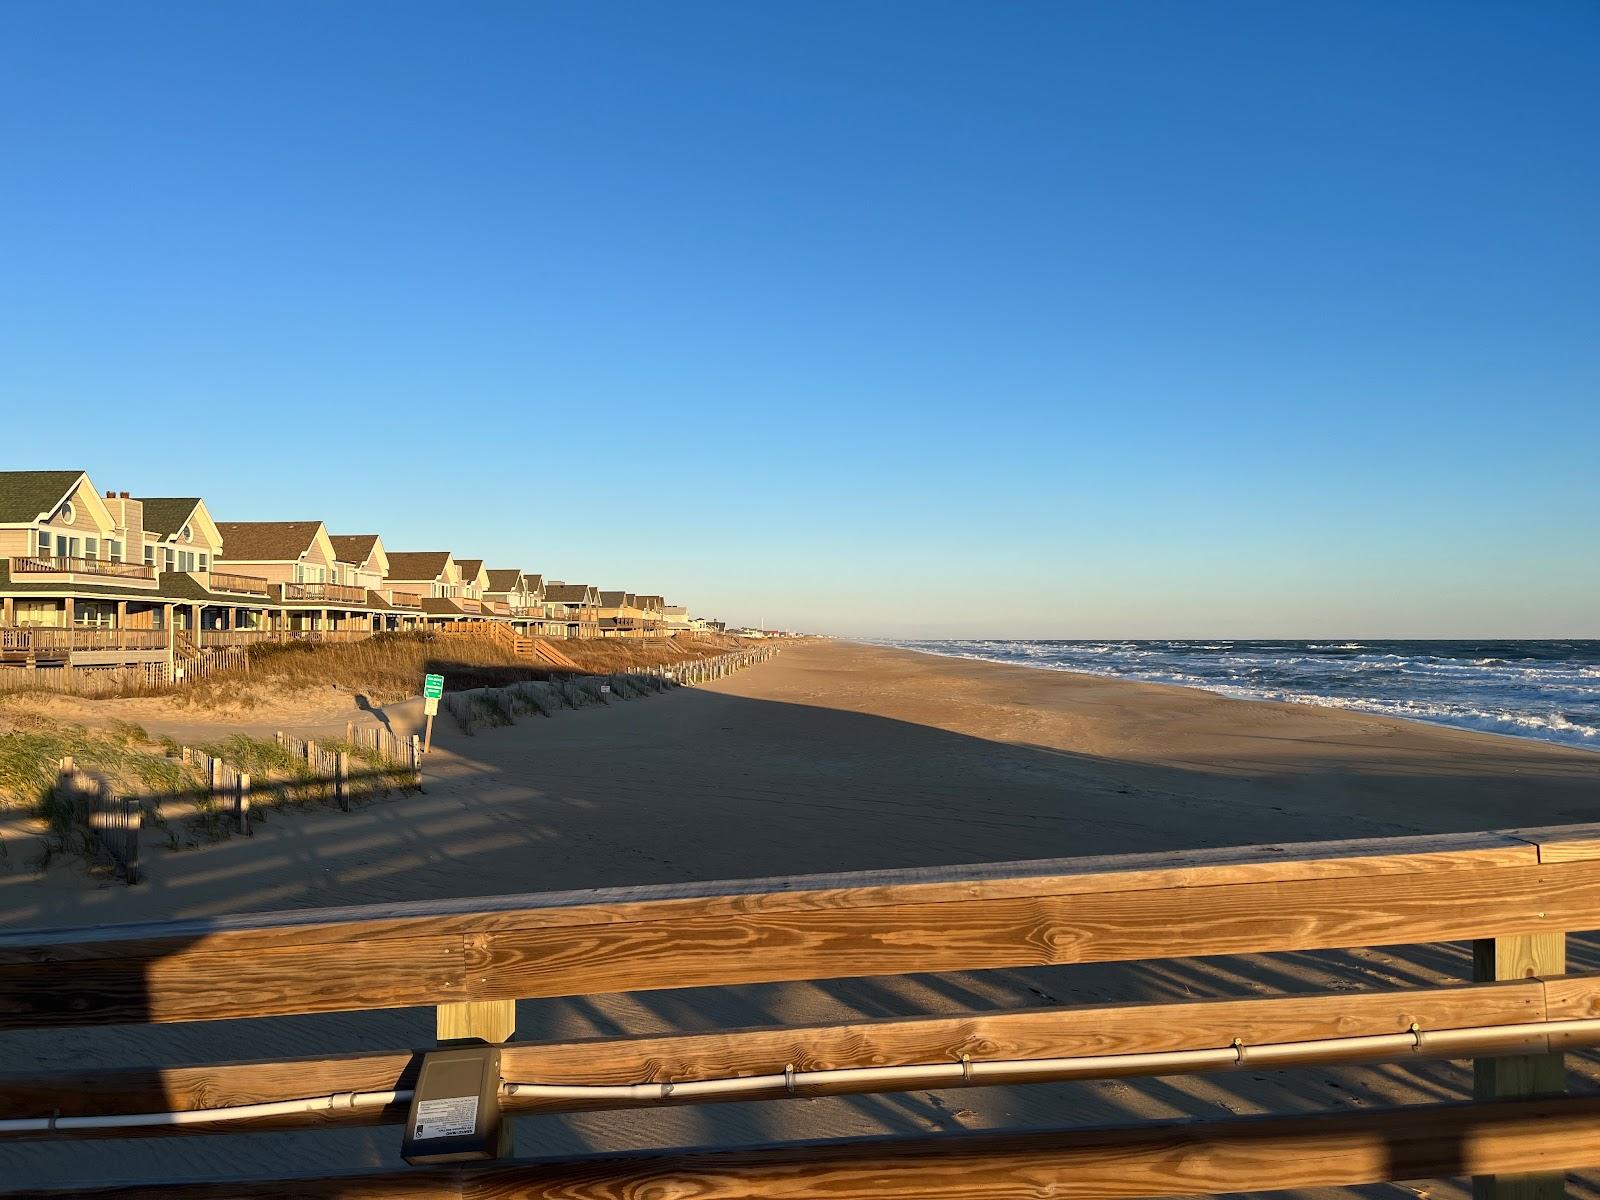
x,y
835,756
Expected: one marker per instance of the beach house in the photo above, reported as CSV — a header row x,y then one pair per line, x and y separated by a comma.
x,y
301,567
361,561
576,605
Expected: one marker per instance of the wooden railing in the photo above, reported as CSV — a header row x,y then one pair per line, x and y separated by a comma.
x,y
34,564
212,638
41,639
336,593
403,599
227,581
1515,893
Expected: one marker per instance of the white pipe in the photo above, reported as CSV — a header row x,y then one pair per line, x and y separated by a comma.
x,y
1434,1043
338,1102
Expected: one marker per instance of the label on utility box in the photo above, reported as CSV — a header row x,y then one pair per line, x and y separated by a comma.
x,y
454,1116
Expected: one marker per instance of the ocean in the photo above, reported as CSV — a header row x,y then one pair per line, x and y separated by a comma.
x,y
1547,690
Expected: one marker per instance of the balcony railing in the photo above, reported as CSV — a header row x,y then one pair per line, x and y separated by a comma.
x,y
466,605
336,593
213,638
495,608
246,585
404,600
55,564
34,639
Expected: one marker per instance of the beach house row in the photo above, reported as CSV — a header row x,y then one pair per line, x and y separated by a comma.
x,y
91,578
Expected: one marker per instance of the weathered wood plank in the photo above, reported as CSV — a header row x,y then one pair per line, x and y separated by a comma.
x,y
703,943
1256,1154
1243,918
852,890
988,1036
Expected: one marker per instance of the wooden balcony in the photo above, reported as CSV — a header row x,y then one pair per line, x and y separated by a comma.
x,y
466,605
211,639
244,585
42,640
54,564
325,593
402,599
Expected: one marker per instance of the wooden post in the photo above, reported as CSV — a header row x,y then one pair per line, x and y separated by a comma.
x,y
341,779
244,804
1521,956
416,761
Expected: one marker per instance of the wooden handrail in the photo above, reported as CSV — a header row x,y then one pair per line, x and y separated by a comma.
x,y
33,564
1246,900
227,581
337,592
1247,1154
1102,1029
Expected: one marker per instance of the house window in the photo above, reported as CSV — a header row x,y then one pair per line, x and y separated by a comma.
x,y
203,559
69,514
185,560
114,551
91,548
44,543
188,534
149,556
166,558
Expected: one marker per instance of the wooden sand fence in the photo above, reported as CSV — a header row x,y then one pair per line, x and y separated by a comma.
x,y
108,820
226,786
704,670
94,682
500,706
324,765
1513,894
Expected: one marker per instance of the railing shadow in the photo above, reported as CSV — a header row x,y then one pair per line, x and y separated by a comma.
x,y
526,803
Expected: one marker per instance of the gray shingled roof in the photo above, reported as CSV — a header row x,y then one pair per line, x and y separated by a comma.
x,y
417,564
504,580
266,541
353,547
166,515
26,494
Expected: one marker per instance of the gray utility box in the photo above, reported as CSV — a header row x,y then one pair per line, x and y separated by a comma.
x,y
455,1110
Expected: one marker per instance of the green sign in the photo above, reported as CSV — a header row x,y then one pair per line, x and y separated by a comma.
x,y
432,687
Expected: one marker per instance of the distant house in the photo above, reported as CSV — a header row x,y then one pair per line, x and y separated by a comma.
x,y
361,561
676,619
521,597
300,565
577,605
435,577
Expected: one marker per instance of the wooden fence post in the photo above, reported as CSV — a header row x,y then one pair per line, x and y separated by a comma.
x,y
416,761
341,779
244,803
1520,956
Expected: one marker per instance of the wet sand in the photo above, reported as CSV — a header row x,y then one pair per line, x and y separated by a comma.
x,y
833,757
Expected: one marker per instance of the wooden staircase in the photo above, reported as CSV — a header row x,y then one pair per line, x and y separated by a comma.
x,y
540,650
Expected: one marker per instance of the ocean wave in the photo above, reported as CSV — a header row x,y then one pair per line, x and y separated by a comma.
x,y
1543,690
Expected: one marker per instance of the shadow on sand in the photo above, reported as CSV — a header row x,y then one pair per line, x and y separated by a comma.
x,y
776,789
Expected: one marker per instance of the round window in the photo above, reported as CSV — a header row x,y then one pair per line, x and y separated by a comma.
x,y
188,534
68,513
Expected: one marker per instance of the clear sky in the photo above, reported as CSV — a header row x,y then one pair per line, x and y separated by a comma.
x,y
1054,319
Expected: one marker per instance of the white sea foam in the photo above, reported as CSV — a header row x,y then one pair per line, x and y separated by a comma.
x,y
1549,691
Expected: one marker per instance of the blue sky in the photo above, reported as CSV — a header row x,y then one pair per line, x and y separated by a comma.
x,y
1132,319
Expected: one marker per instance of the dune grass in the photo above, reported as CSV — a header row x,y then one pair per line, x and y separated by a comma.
x,y
390,666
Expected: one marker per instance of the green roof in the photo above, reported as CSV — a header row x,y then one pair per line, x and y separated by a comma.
x,y
26,494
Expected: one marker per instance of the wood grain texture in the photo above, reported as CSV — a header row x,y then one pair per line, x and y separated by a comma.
x,y
507,953
1023,1033
1256,1154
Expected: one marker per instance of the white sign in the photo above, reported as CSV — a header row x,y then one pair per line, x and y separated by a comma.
x,y
454,1116
605,689
430,706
